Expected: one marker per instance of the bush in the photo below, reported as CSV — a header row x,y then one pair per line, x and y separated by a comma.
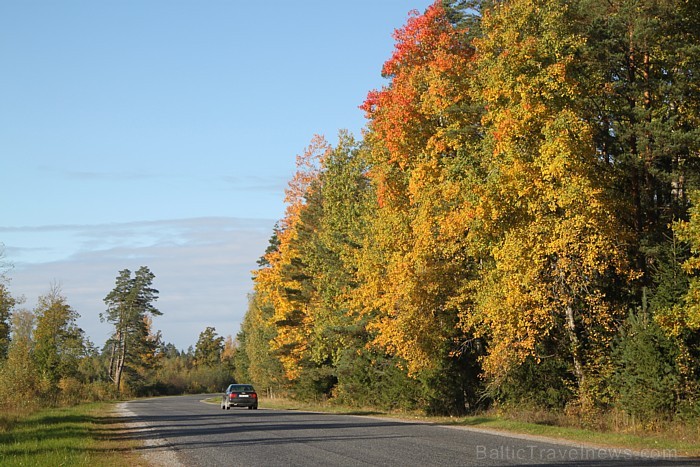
x,y
647,377
72,391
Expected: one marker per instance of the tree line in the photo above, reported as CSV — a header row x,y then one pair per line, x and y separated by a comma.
x,y
518,224
46,359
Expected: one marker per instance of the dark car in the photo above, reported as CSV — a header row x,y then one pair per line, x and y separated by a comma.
x,y
239,395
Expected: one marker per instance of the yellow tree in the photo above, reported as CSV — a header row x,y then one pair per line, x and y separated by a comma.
x,y
284,281
421,135
547,208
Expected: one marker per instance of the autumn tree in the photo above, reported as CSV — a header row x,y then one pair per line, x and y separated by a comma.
x,y
548,207
59,342
508,210
284,282
19,385
255,360
129,305
314,260
422,135
228,353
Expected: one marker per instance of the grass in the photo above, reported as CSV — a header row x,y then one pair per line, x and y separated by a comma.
x,y
637,442
83,435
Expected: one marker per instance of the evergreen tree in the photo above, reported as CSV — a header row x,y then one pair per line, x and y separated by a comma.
x,y
128,306
646,379
209,347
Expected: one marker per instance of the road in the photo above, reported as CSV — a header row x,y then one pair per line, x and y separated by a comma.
x,y
186,431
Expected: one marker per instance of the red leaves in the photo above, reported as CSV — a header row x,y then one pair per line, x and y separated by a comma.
x,y
428,58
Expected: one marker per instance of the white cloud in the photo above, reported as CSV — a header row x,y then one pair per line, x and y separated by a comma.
x,y
202,268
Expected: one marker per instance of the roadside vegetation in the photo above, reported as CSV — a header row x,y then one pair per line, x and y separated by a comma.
x,y
84,435
46,361
517,234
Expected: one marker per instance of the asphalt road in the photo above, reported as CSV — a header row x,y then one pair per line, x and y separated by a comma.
x,y
187,431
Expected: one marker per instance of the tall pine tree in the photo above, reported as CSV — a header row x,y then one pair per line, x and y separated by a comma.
x,y
129,305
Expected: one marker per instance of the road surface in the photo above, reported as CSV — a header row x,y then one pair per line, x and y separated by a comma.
x,y
186,431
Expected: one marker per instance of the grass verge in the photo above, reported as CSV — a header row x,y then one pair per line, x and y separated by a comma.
x,y
683,446
83,435
636,442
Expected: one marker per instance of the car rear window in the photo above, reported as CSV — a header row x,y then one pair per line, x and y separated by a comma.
x,y
241,388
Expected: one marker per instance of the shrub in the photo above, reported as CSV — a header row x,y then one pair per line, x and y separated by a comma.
x,y
647,377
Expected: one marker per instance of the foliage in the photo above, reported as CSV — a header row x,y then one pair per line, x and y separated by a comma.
x,y
512,195
7,303
19,385
209,348
58,341
528,173
647,376
129,305
420,129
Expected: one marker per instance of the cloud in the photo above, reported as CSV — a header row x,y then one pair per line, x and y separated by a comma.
x,y
202,267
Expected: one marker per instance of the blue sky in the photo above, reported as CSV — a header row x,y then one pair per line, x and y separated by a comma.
x,y
163,134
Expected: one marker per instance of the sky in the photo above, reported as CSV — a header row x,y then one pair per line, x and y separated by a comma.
x,y
162,133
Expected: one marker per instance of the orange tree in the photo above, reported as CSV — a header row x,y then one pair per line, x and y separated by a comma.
x,y
422,134
548,211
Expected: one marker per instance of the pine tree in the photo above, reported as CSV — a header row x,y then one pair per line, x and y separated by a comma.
x,y
207,351
128,306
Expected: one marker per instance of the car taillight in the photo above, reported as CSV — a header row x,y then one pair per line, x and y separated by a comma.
x,y
233,395
254,396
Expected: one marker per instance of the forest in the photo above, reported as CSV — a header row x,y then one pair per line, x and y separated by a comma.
x,y
518,225
46,360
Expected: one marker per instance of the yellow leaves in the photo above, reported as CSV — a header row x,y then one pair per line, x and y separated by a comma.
x,y
686,316
552,220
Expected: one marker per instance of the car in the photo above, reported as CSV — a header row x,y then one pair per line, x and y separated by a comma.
x,y
239,395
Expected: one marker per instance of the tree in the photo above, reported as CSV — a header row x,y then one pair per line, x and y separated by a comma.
x,y
129,305
422,135
644,100
18,376
209,347
59,342
646,376
548,210
7,303
284,280
255,360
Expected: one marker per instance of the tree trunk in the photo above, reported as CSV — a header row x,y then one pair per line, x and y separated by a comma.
x,y
575,344
120,363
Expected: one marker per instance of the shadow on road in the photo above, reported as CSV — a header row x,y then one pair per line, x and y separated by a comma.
x,y
198,430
